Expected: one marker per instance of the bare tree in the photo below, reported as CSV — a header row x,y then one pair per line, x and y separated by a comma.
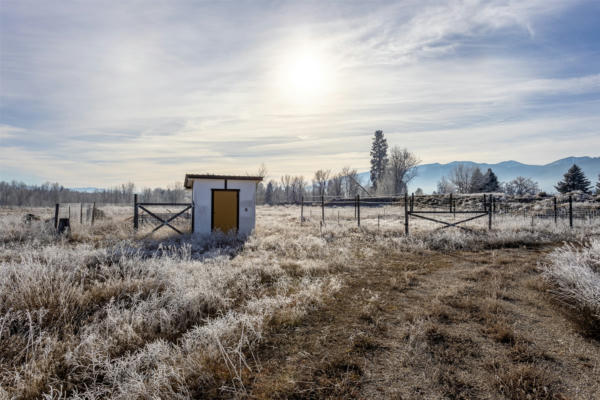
x,y
521,186
286,183
320,181
401,168
298,184
461,176
335,185
444,186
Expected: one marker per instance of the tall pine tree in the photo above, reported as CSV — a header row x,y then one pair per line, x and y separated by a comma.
x,y
574,179
269,193
598,185
491,183
379,158
477,181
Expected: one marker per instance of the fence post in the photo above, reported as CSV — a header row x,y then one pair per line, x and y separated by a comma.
x,y
489,216
555,211
454,207
484,203
378,222
93,212
450,202
56,216
135,212
323,208
301,209
80,213
571,210
412,202
358,209
406,213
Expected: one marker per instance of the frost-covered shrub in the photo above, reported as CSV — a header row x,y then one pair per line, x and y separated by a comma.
x,y
574,272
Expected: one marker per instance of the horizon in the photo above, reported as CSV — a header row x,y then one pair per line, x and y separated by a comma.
x,y
102,94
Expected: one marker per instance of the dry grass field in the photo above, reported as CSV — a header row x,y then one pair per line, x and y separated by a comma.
x,y
300,311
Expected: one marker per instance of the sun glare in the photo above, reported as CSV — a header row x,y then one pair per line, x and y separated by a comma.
x,y
306,75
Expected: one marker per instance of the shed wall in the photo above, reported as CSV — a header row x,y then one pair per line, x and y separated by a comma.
x,y
202,197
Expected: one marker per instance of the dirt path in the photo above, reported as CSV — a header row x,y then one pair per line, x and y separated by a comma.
x,y
432,325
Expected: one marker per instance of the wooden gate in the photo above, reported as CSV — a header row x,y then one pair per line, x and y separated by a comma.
x,y
162,219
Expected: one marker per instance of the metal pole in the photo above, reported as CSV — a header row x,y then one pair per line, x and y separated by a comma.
x,y
358,208
56,216
93,212
555,212
406,213
322,209
301,209
80,213
571,210
135,212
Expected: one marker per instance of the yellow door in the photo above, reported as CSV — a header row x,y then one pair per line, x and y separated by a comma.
x,y
225,210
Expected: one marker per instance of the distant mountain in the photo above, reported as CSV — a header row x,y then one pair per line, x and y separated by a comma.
x,y
546,176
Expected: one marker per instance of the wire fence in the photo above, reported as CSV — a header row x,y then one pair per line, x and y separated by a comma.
x,y
460,211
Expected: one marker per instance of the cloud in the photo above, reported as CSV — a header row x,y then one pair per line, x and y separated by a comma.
x,y
98,94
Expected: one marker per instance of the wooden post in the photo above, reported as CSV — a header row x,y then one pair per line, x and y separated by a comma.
x,y
301,209
358,208
489,217
323,208
355,206
571,210
406,213
412,202
377,222
555,211
450,202
193,216
69,212
56,207
135,212
93,212
80,213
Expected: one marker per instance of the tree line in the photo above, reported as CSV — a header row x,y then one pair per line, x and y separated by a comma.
x,y
389,173
470,179
47,194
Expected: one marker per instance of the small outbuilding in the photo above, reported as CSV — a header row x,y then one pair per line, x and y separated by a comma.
x,y
223,202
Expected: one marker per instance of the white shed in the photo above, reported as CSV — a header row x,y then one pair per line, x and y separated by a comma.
x,y
223,202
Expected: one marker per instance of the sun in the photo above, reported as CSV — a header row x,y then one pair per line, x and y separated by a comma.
x,y
306,75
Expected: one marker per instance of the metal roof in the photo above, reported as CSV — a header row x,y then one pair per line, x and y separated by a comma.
x,y
190,177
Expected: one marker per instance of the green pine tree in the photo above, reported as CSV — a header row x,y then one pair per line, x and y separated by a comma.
x,y
269,194
574,179
379,158
477,181
491,182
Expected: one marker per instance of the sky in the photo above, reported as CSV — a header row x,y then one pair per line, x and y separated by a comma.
x,y
106,92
